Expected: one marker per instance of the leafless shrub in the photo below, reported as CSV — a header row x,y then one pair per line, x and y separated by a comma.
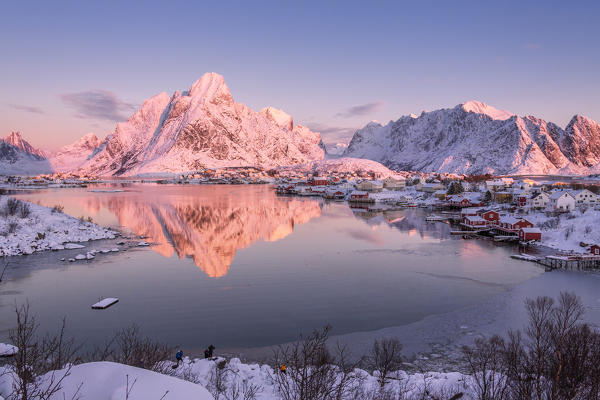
x,y
128,347
313,372
57,208
588,229
12,227
24,210
557,356
11,206
485,363
42,363
385,357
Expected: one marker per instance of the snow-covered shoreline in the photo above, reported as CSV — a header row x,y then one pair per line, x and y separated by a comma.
x,y
196,379
32,228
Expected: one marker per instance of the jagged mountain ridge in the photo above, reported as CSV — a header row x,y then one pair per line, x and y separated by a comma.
x,y
17,156
476,138
203,127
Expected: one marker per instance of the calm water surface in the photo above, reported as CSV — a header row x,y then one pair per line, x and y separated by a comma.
x,y
239,266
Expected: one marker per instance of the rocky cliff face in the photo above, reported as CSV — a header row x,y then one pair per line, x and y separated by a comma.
x,y
203,127
476,138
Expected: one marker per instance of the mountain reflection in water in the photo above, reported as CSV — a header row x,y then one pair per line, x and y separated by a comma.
x,y
207,223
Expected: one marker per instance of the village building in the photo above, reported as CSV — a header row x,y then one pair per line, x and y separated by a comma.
x,y
527,234
474,221
370,186
561,201
319,181
502,197
595,250
429,187
440,194
394,184
584,197
540,201
510,224
491,217
359,196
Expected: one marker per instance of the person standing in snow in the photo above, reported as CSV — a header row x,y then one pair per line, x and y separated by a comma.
x,y
211,348
179,357
283,369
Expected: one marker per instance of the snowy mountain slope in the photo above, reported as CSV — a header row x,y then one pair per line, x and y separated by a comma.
x,y
72,156
476,138
19,157
341,165
203,127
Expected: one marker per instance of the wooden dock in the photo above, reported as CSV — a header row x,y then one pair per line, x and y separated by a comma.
x,y
579,262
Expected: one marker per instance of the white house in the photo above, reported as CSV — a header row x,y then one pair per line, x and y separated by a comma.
x,y
540,201
584,197
429,187
394,183
561,201
370,186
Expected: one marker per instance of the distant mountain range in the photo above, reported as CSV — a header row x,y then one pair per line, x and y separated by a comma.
x,y
475,138
205,127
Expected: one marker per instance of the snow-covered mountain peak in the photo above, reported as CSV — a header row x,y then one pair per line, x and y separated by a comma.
x,y
211,87
15,139
481,108
280,117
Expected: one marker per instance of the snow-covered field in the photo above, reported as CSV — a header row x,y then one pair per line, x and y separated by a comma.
x,y
197,379
567,231
42,228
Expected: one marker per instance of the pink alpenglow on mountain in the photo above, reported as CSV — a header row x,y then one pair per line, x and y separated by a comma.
x,y
202,128
475,138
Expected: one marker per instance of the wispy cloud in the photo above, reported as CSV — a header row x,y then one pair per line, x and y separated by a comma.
x,y
29,109
362,109
98,104
332,134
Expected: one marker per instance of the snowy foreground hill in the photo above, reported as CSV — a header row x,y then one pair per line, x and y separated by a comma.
x,y
202,380
476,138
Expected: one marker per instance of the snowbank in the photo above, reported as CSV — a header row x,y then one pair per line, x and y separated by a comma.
x,y
567,231
43,229
108,380
7,350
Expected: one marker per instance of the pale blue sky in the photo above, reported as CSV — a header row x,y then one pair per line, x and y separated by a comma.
x,y
69,68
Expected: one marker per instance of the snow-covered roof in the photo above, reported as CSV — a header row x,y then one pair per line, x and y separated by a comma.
x,y
358,193
531,230
509,219
474,218
558,194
